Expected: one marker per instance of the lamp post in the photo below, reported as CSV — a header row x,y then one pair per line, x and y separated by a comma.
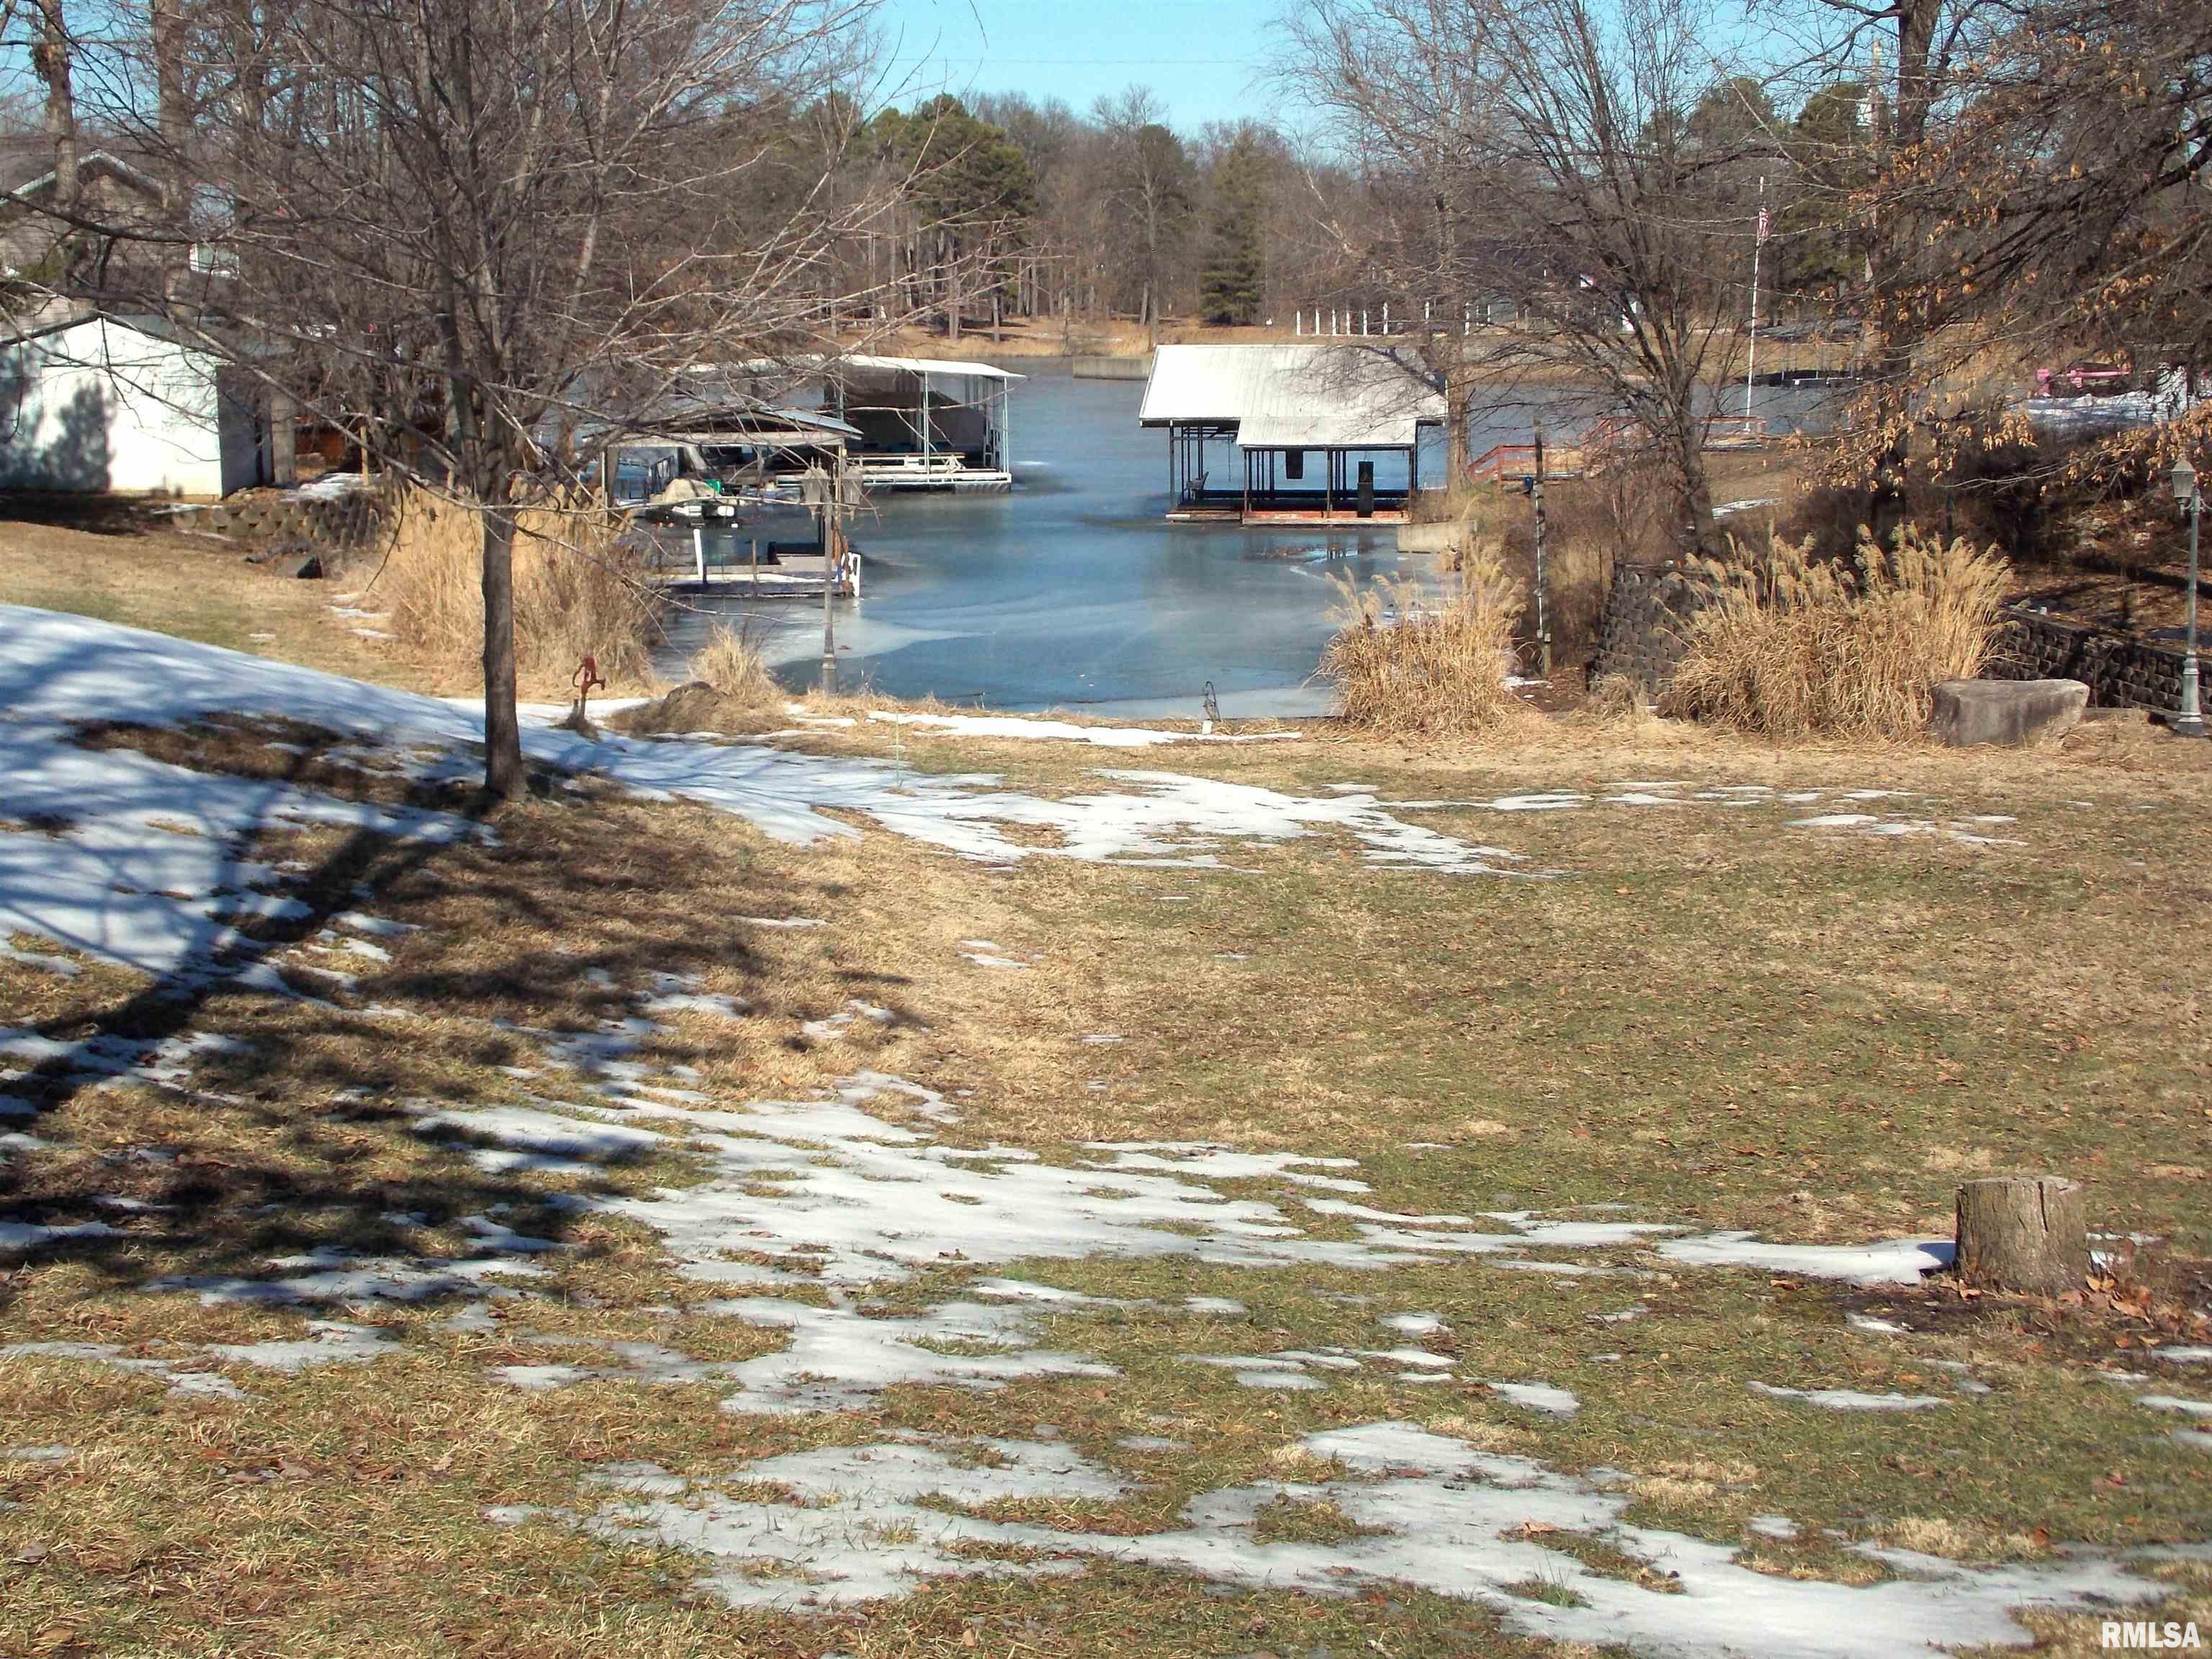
x,y
2190,723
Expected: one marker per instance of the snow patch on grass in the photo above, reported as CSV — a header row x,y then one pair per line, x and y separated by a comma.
x,y
58,670
868,1524
1897,1262
328,1274
1851,1400
1546,1397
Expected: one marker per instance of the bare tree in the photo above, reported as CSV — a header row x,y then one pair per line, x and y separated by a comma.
x,y
2063,206
477,231
1912,63
1540,153
1150,187
52,54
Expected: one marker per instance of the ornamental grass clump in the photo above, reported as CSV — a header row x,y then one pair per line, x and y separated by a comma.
x,y
579,590
1789,646
731,662
1409,661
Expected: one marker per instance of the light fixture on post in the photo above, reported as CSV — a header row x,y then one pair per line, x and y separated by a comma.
x,y
2190,722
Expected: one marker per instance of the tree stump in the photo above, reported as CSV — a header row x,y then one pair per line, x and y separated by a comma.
x,y
2023,1233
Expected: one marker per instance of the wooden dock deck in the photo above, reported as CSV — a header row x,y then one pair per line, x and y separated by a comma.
x,y
791,576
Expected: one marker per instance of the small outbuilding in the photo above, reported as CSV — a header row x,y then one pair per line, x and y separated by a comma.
x,y
126,405
1313,432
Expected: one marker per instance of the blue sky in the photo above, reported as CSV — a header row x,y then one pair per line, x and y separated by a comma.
x,y
1203,57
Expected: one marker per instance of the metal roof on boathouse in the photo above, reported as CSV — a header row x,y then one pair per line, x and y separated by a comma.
x,y
1336,394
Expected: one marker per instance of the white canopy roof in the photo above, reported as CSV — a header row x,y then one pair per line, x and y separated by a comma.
x,y
1336,394
923,366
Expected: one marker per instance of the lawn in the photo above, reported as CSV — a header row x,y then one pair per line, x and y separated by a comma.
x,y
648,1233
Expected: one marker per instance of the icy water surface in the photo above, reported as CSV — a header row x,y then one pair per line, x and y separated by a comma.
x,y
1074,591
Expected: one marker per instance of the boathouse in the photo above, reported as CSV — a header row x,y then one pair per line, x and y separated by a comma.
x,y
1311,432
925,423
706,450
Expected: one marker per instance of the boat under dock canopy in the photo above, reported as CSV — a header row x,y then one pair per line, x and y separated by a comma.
x,y
1301,429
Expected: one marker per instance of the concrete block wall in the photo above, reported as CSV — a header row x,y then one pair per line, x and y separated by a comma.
x,y
338,523
1643,627
2120,670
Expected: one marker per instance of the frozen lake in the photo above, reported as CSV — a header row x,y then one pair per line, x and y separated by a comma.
x,y
1073,591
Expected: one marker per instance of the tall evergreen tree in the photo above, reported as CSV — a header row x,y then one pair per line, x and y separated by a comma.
x,y
1232,285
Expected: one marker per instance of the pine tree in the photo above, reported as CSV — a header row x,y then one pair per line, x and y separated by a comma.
x,y
1232,285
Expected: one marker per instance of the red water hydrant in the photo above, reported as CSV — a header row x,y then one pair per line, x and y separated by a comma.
x,y
585,677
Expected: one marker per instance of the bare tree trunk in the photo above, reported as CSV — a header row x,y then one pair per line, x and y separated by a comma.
x,y
1889,310
50,57
950,260
1694,529
503,776
174,122
1458,387
2026,1235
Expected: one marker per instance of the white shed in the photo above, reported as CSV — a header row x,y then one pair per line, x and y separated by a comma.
x,y
124,405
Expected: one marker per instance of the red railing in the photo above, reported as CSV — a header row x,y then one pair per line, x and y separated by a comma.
x,y
1510,462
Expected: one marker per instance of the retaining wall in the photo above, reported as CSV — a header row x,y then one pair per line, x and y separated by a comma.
x,y
1643,629
2120,670
340,522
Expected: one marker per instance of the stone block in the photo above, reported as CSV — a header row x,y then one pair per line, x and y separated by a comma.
x,y
1970,712
1432,538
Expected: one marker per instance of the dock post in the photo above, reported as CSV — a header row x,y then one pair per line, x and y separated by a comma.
x,y
828,616
1536,497
753,542
699,552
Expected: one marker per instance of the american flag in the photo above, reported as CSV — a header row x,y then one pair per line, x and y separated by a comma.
x,y
1762,224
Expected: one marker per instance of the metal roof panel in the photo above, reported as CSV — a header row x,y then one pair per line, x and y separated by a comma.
x,y
923,366
1336,394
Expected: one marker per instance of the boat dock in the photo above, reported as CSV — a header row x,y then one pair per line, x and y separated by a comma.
x,y
754,568
1297,431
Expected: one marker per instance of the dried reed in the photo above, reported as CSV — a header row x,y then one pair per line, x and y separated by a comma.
x,y
579,592
732,663
1790,646
1408,662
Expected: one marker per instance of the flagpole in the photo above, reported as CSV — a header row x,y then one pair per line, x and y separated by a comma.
x,y
1757,242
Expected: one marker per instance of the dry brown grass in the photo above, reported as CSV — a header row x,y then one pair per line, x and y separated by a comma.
x,y
1792,646
342,1511
1404,663
732,663
1616,703
579,592
197,587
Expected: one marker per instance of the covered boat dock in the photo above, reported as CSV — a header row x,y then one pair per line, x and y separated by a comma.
x,y
925,423
1303,434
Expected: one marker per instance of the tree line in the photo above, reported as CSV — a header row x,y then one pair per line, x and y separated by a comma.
x,y
1002,207
494,237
